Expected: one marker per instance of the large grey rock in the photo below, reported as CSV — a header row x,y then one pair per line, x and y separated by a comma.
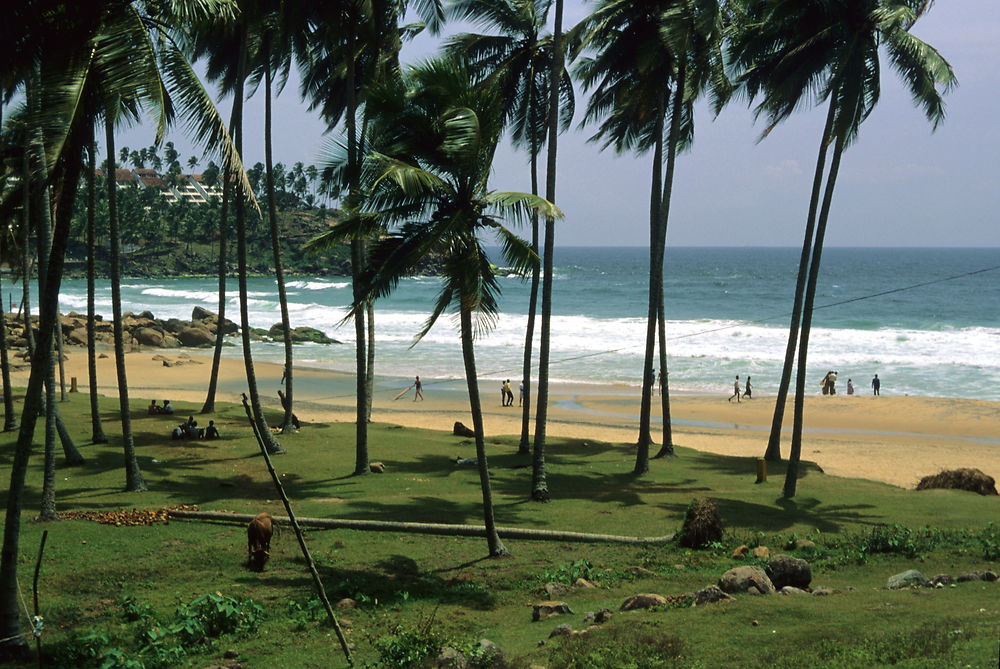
x,y
449,658
543,610
200,313
175,325
644,600
787,570
751,580
907,579
149,337
490,655
710,595
196,336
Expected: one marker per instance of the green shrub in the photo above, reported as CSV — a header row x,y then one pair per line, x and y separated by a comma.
x,y
216,614
406,648
568,573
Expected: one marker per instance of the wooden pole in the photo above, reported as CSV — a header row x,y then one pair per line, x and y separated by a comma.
x,y
761,470
317,582
440,529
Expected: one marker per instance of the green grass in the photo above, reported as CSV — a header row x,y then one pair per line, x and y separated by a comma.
x,y
413,587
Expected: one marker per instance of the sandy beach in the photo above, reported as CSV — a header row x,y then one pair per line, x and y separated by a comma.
x,y
896,440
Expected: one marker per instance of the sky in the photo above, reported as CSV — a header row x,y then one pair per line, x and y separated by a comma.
x,y
900,184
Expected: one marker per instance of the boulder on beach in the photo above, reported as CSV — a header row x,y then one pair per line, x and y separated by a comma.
x,y
301,335
197,336
149,337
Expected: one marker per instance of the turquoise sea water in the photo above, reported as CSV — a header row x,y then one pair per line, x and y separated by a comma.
x,y
727,313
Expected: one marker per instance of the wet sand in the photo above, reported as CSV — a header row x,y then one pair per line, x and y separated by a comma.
x,y
892,439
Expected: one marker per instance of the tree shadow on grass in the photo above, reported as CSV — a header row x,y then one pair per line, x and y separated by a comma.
x,y
391,581
738,514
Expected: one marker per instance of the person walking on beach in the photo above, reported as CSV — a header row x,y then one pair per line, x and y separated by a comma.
x,y
520,394
876,384
508,394
748,391
418,390
850,387
736,390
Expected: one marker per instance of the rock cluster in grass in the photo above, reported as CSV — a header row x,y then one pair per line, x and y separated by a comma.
x,y
144,329
912,578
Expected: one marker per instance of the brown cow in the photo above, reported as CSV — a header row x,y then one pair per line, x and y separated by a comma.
x,y
259,541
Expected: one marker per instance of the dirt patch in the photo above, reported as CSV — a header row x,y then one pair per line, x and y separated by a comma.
x,y
331,500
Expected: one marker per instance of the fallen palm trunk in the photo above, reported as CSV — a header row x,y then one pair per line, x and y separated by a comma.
x,y
428,528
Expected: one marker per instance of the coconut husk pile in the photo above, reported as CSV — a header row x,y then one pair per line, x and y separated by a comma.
x,y
969,479
702,524
124,517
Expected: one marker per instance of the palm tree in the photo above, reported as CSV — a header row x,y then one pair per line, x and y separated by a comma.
x,y
786,52
539,481
652,61
97,429
82,54
275,54
435,134
9,417
228,46
343,51
517,63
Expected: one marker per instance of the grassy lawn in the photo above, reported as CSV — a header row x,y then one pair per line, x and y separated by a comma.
x,y
119,584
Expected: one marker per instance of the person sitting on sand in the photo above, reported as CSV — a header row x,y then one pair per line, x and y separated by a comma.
x,y
177,433
211,432
736,390
153,408
168,408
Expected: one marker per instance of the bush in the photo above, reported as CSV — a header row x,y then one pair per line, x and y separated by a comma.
x,y
408,647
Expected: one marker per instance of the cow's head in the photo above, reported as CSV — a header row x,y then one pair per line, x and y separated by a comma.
x,y
258,559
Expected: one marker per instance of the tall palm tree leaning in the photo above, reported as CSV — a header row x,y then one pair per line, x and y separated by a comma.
x,y
651,62
229,47
516,62
345,49
539,481
434,135
81,52
786,51
97,435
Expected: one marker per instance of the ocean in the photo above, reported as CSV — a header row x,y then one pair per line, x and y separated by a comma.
x,y
727,313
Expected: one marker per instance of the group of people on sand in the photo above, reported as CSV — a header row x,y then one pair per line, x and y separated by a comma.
x,y
746,393
507,394
829,384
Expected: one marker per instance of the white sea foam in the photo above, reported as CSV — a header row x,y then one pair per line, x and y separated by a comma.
x,y
317,284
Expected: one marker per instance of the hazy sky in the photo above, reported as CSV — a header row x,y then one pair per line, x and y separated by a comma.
x,y
900,185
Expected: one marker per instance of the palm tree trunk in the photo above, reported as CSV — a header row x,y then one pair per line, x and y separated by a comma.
x,y
279,272
791,475
496,547
29,334
361,464
213,381
773,452
271,444
134,481
96,427
370,367
667,448
9,419
62,367
12,643
529,330
41,203
539,484
646,403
